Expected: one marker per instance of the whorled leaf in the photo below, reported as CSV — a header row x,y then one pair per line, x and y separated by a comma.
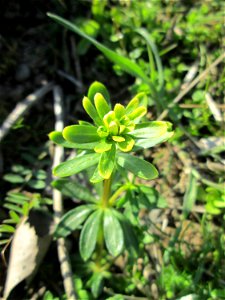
x,y
81,134
91,111
98,87
73,219
107,163
89,234
75,165
73,189
137,166
101,105
113,233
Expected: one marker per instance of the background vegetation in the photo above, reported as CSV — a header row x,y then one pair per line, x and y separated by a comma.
x,y
181,233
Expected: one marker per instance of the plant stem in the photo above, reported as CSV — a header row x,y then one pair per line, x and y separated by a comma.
x,y
104,204
118,193
106,192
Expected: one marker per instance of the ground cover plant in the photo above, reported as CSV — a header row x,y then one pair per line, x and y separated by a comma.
x,y
141,180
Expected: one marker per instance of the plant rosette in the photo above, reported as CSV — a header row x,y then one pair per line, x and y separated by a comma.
x,y
108,142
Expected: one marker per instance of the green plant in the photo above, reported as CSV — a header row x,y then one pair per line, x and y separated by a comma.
x,y
19,205
215,201
26,177
110,144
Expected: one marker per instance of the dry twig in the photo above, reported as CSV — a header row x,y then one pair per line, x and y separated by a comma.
x,y
191,85
58,204
22,107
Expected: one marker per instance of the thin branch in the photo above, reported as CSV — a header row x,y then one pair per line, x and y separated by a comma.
x,y
58,203
71,78
191,85
213,108
203,106
22,107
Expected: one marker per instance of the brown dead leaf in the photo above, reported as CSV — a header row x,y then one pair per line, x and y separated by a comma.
x,y
29,245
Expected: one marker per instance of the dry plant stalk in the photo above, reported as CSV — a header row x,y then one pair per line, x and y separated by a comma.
x,y
58,204
191,85
22,107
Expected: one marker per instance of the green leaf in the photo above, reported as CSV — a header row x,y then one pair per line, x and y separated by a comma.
x,y
101,105
13,207
7,228
96,177
119,110
149,130
125,63
190,194
137,166
153,197
113,233
89,234
40,174
18,168
148,143
91,28
137,113
107,163
91,111
72,220
98,87
36,184
145,34
127,145
102,147
132,105
130,239
14,216
49,296
97,281
25,209
73,189
57,138
76,165
15,199
81,134
13,178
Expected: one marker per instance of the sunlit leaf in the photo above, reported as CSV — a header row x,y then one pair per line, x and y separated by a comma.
x,y
91,111
137,113
149,130
125,63
81,134
57,138
147,143
137,166
76,165
107,163
98,87
101,105
126,145
102,147
7,228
